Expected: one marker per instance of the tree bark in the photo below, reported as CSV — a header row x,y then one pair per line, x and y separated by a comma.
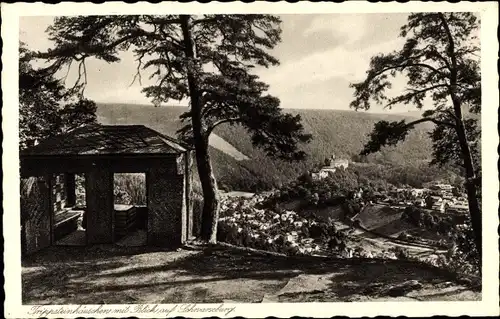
x,y
211,203
470,182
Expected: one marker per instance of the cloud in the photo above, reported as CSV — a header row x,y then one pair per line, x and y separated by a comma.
x,y
344,46
336,62
349,27
321,79
320,55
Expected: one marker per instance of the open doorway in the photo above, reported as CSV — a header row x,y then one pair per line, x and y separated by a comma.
x,y
130,209
69,218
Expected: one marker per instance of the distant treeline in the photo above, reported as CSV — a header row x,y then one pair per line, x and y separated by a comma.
x,y
342,133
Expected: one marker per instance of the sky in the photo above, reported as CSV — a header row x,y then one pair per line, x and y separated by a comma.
x,y
320,55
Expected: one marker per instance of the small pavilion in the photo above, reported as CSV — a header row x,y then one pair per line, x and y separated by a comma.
x,y
98,152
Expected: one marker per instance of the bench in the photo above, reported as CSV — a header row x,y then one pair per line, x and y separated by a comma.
x,y
66,222
125,219
66,216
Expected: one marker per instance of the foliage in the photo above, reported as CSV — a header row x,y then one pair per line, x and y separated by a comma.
x,y
324,192
46,106
130,189
463,255
227,48
425,60
440,60
205,58
446,147
385,133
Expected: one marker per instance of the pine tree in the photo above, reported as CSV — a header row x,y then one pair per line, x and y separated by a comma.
x,y
439,59
207,59
46,106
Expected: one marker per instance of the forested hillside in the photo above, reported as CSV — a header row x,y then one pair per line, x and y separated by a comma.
x,y
342,133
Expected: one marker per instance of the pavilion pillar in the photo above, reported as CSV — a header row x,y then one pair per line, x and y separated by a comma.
x,y
37,212
166,208
189,195
100,206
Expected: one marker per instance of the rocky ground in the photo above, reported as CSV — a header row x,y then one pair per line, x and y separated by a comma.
x,y
222,273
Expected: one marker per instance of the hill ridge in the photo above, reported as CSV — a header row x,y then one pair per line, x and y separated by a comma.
x,y
240,166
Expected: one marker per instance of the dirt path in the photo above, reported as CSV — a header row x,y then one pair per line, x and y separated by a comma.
x,y
222,274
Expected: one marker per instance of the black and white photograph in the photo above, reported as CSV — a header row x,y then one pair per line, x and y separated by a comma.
x,y
202,162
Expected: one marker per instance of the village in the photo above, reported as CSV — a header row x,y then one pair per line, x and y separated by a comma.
x,y
438,196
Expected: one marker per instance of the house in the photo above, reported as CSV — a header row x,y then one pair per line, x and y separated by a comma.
x,y
434,202
440,206
330,167
458,208
333,162
434,199
326,172
98,152
417,192
445,187
442,189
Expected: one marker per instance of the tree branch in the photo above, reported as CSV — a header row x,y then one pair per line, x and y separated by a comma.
x,y
451,49
430,119
165,21
404,66
409,96
436,54
85,50
214,125
205,20
138,70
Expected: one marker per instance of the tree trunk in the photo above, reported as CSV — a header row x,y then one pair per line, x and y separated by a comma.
x,y
470,181
211,203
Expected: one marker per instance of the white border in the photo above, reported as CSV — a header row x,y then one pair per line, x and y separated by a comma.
x,y
10,159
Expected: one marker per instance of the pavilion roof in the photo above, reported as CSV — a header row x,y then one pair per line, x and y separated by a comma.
x,y
97,139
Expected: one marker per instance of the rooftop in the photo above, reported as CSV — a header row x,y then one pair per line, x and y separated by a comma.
x,y
99,139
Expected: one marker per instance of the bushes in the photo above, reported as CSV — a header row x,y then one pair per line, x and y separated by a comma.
x,y
463,256
130,189
330,191
400,253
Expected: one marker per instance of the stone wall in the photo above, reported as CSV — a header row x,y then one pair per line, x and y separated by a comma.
x,y
100,206
36,216
166,208
189,195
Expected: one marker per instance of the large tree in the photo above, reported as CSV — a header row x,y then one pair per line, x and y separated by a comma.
x,y
46,107
207,59
439,60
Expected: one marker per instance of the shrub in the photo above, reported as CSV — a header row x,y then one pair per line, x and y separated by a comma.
x,y
305,231
403,236
130,189
400,253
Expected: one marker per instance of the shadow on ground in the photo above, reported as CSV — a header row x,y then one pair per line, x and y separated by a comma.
x,y
110,274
